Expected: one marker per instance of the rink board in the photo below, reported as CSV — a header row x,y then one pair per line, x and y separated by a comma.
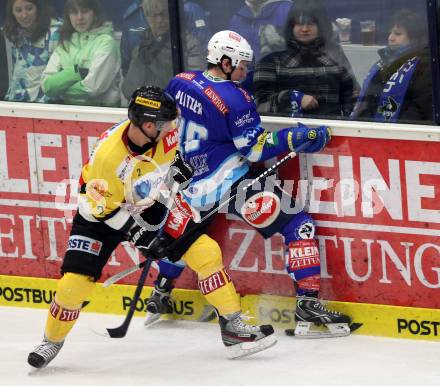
x,y
376,319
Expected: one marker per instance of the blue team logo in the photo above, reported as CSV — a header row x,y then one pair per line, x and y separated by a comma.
x,y
251,135
388,108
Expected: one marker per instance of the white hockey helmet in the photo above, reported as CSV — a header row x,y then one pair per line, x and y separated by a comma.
x,y
230,44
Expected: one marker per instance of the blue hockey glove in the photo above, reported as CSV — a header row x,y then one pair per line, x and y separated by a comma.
x,y
318,136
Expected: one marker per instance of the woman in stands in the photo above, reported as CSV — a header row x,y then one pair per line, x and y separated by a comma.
x,y
398,86
84,69
312,76
33,34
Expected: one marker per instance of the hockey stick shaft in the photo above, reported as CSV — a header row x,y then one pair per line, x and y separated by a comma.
x,y
120,275
121,331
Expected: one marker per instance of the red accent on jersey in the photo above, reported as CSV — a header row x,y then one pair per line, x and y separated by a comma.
x,y
186,76
213,282
216,100
303,254
246,95
170,141
178,218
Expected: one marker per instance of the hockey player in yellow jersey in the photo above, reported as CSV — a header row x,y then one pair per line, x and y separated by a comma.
x,y
129,171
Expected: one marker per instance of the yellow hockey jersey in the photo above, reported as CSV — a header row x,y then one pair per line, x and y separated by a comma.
x,y
109,178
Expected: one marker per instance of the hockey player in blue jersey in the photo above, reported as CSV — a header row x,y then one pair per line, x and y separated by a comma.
x,y
220,135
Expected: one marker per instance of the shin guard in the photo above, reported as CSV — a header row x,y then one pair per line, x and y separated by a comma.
x,y
72,290
205,258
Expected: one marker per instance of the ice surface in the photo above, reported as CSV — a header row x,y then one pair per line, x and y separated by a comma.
x,y
191,354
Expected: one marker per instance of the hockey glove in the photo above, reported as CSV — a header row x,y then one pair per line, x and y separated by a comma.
x,y
150,246
318,136
180,172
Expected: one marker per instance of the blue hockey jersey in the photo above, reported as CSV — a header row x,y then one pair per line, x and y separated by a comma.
x,y
220,134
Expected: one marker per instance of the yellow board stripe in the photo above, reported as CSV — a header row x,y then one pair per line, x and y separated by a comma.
x,y
376,319
148,102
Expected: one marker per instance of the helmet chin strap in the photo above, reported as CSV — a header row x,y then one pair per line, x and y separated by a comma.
x,y
228,74
152,139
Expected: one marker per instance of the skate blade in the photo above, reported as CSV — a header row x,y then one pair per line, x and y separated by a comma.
x,y
152,319
331,330
248,348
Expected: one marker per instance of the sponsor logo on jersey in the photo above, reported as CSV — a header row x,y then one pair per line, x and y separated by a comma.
x,y
121,170
97,189
214,282
200,164
216,100
147,102
245,119
186,76
261,210
302,254
418,327
84,244
178,218
189,102
170,141
245,94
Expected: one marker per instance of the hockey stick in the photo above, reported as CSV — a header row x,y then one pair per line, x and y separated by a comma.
x,y
115,278
121,331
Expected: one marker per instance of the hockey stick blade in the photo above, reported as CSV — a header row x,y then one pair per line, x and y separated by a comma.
x,y
121,331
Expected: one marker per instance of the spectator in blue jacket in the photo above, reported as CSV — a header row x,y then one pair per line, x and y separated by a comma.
x,y
261,23
398,87
135,24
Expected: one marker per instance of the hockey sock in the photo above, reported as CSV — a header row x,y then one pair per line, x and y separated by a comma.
x,y
72,290
303,265
205,257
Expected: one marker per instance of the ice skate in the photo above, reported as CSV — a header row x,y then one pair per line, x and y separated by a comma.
x,y
159,302
242,339
43,354
309,312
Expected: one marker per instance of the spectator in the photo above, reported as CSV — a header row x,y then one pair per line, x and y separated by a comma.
x,y
398,86
152,60
135,24
33,34
4,75
84,69
261,23
312,75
